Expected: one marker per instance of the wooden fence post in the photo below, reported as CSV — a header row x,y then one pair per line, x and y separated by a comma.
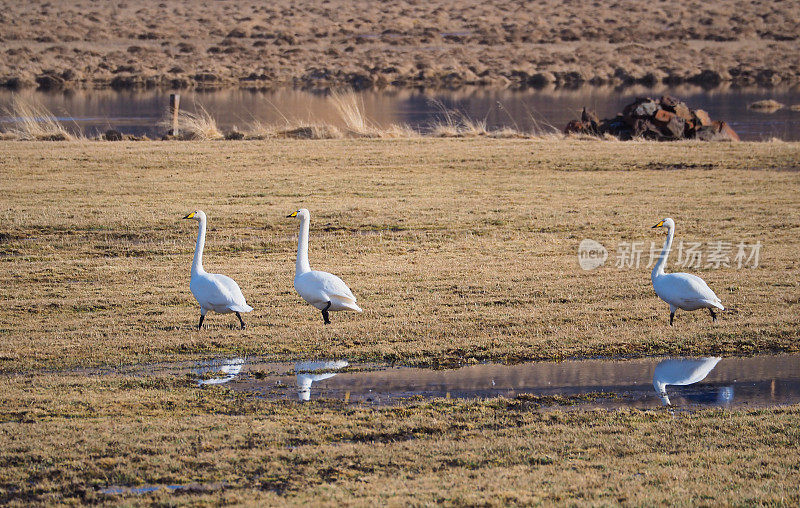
x,y
174,108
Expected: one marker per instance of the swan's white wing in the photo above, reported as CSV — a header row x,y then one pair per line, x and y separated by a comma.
x,y
322,286
334,286
233,289
214,291
677,288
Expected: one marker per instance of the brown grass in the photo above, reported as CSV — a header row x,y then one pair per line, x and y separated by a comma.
x,y
66,436
402,44
459,250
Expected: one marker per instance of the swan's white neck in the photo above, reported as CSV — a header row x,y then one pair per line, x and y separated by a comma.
x,y
197,263
302,266
658,269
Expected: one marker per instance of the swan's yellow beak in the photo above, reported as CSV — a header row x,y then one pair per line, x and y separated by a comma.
x,y
658,225
190,216
293,214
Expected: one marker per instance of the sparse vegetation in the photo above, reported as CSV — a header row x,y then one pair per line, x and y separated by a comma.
x,y
460,250
434,44
33,122
199,126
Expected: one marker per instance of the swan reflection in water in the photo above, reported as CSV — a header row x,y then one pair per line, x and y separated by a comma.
x,y
231,367
681,371
305,375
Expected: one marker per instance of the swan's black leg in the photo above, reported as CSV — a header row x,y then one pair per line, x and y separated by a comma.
x,y
325,314
240,319
713,315
200,325
671,317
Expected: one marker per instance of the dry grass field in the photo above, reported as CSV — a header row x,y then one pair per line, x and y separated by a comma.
x,y
459,251
57,44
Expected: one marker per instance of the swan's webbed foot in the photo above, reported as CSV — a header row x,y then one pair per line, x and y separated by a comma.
x,y
200,324
671,317
240,320
325,314
713,315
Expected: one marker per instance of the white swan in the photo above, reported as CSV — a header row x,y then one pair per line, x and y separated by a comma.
x,y
682,371
211,290
323,290
681,290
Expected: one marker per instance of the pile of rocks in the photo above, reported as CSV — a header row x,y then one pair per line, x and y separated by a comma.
x,y
664,119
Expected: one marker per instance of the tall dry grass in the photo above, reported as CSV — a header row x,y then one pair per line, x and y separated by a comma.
x,y
351,111
32,121
199,126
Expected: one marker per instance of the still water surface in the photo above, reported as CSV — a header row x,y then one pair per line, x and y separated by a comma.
x,y
641,383
139,112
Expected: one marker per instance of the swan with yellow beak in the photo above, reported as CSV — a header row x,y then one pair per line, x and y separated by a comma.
x,y
681,290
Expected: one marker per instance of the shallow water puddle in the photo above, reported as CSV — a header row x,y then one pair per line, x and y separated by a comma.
x,y
648,382
193,488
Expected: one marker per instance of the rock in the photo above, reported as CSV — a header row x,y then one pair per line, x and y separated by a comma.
x,y
701,118
718,131
725,132
112,135
683,111
647,129
675,128
575,127
642,107
767,105
663,116
669,102
705,133
589,116
664,119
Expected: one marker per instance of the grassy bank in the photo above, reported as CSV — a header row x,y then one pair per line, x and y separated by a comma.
x,y
445,44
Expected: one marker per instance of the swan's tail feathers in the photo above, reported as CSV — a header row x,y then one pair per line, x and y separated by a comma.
x,y
351,306
243,307
714,303
347,303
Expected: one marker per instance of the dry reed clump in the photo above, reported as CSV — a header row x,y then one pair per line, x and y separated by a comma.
x,y
200,126
351,111
34,122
